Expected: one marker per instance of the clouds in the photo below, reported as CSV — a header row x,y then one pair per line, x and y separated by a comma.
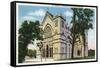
x,y
27,17
68,13
33,15
40,12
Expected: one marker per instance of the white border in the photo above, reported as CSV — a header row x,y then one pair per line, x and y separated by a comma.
x,y
30,4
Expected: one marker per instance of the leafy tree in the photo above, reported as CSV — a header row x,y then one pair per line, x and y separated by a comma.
x,y
85,21
74,30
81,21
27,32
31,53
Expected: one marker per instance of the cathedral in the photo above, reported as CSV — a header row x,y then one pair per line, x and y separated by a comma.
x,y
56,42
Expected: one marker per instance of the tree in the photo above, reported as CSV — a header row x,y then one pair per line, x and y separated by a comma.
x,y
81,21
85,21
27,32
74,30
31,53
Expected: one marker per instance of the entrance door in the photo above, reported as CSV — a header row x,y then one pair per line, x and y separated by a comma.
x,y
47,51
51,52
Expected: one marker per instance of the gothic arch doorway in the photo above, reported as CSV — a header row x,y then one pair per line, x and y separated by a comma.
x,y
49,52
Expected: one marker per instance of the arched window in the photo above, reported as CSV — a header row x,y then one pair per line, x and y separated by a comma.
x,y
47,31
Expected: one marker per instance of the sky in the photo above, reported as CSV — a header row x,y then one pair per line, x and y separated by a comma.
x,y
35,12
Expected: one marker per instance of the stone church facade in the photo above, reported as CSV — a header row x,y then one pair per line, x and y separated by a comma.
x,y
56,44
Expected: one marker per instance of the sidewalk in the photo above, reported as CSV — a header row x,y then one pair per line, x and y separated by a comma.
x,y
38,60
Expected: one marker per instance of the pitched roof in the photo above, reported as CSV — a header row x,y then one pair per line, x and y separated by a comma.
x,y
52,17
49,14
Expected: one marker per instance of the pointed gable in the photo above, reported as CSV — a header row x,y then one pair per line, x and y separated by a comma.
x,y
47,15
